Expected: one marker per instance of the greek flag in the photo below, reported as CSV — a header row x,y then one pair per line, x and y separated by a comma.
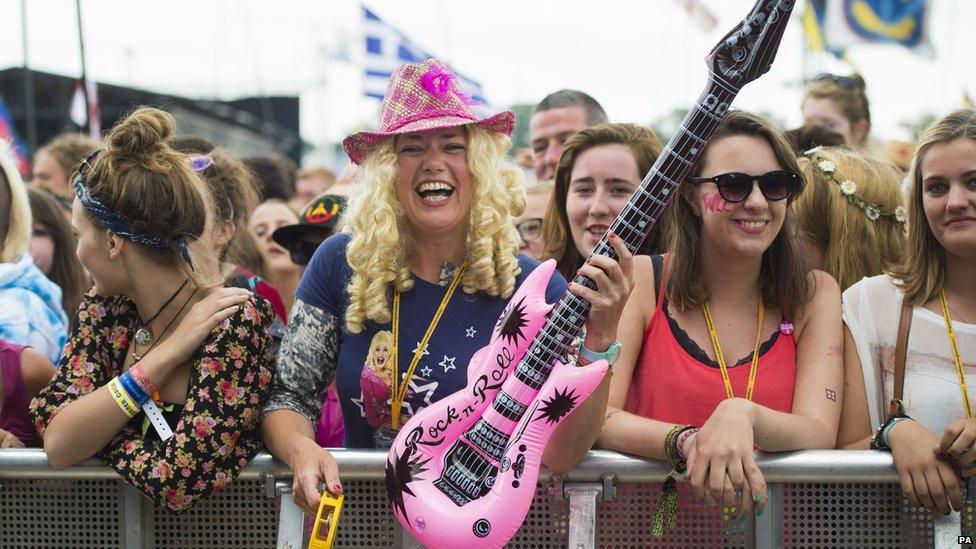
x,y
387,48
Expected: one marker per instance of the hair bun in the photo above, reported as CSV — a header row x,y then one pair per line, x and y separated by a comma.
x,y
144,131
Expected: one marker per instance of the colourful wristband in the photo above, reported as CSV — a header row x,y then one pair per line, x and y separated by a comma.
x,y
122,398
140,378
133,388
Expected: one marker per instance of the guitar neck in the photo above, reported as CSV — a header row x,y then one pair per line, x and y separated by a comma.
x,y
641,213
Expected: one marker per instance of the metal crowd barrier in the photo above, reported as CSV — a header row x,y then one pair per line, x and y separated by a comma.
x,y
816,499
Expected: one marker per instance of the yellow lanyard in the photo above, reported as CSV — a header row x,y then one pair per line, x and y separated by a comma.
x,y
399,390
720,358
955,355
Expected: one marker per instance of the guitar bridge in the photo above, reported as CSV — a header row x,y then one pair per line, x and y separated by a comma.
x,y
467,475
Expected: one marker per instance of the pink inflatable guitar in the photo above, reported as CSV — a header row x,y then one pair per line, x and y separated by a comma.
x,y
462,472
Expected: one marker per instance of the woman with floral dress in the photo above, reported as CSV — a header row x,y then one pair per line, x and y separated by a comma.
x,y
164,373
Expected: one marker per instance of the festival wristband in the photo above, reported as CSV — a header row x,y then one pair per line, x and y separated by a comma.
x,y
886,432
139,375
133,388
125,402
158,421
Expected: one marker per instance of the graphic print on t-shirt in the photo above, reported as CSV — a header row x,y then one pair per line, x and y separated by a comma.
x,y
376,394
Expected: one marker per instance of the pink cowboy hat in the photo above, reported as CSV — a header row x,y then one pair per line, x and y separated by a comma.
x,y
422,97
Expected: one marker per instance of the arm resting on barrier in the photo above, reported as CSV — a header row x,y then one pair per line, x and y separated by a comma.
x,y
215,436
307,362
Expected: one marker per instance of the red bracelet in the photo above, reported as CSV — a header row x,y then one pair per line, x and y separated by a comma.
x,y
140,378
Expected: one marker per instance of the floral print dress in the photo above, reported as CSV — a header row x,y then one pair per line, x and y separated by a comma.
x,y
216,433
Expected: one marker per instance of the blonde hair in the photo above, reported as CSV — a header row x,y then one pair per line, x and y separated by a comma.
x,y
18,229
922,272
544,186
141,178
376,221
382,337
826,217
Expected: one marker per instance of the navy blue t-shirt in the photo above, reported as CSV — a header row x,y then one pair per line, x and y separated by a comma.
x,y
363,373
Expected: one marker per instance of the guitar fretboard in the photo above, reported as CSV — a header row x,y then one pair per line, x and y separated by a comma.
x,y
632,225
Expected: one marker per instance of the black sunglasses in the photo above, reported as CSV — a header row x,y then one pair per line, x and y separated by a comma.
x,y
845,82
736,187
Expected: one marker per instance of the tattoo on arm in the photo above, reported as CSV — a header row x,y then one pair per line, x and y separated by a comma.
x,y
831,395
611,413
307,361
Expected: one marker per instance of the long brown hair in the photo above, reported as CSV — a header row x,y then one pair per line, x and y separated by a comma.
x,y
140,177
922,273
557,239
783,275
66,271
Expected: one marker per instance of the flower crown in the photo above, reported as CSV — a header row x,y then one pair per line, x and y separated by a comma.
x,y
848,188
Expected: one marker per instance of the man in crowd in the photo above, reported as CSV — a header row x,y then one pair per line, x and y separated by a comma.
x,y
558,116
310,183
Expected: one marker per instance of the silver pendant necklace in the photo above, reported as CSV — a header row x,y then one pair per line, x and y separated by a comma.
x,y
144,335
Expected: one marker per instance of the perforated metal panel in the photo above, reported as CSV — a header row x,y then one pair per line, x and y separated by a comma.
x,y
626,520
56,513
241,516
40,513
366,519
546,524
852,515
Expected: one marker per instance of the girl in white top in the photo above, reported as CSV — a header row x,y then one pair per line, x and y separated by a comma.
x,y
938,277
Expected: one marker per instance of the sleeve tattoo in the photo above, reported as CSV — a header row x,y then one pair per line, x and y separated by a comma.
x,y
307,361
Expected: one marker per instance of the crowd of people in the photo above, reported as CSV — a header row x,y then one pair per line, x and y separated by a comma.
x,y
173,309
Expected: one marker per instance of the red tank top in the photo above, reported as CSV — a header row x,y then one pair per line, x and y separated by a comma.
x,y
671,385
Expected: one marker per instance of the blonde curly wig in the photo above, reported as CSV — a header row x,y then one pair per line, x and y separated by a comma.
x,y
381,243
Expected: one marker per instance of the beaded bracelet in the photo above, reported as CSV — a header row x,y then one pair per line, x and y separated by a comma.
x,y
122,398
671,453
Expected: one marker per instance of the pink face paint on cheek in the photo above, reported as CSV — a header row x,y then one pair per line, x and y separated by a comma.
x,y
715,203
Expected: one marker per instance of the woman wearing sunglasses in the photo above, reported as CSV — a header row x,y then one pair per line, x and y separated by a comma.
x,y
840,104
911,334
599,170
729,343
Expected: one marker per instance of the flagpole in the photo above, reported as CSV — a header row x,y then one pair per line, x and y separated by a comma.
x,y
84,71
29,113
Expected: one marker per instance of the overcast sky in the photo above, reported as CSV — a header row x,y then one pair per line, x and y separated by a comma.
x,y
639,58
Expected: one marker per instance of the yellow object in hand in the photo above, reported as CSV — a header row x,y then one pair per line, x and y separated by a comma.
x,y
326,521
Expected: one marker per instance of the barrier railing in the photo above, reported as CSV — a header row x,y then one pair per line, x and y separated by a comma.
x,y
816,499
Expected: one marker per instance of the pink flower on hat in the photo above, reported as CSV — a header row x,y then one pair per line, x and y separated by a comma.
x,y
437,81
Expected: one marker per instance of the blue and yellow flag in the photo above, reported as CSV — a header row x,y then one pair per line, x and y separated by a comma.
x,y
835,25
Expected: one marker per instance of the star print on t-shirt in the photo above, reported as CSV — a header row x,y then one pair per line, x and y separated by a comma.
x,y
470,332
447,363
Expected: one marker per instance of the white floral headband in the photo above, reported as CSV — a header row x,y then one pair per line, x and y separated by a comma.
x,y
848,188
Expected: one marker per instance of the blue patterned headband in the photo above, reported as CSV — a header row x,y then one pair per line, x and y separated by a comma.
x,y
118,224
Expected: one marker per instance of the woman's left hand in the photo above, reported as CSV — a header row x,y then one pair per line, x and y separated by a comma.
x,y
614,282
721,460
957,442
